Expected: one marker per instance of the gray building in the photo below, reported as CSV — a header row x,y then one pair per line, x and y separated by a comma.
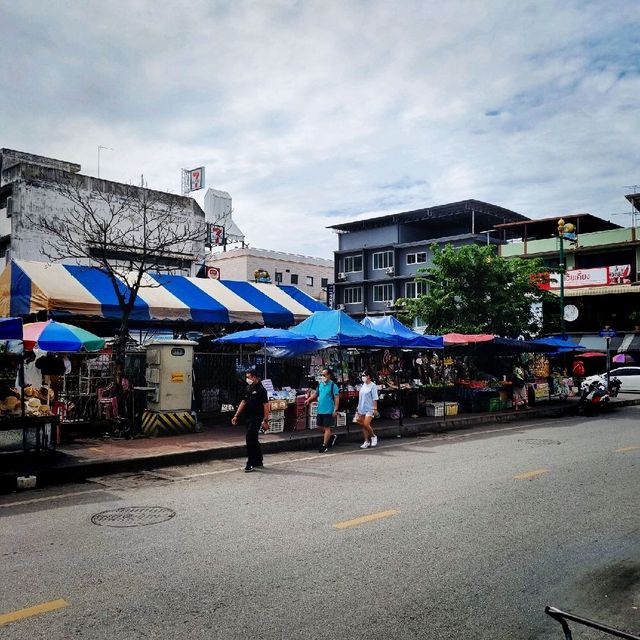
x,y
378,259
30,187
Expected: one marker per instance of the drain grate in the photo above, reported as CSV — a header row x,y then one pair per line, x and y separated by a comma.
x,y
540,442
132,516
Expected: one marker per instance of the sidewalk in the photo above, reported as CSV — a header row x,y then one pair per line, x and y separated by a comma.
x,y
85,458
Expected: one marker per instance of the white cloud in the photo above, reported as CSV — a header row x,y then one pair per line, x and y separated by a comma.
x,y
307,112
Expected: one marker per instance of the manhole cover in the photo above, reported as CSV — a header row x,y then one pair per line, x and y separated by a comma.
x,y
132,516
540,442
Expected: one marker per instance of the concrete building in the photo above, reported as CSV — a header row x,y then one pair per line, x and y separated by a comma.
x,y
31,186
311,275
602,280
377,259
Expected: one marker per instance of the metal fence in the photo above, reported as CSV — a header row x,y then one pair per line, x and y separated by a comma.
x,y
219,381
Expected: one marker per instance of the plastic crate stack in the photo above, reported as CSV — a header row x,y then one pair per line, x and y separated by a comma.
x,y
276,416
312,415
437,409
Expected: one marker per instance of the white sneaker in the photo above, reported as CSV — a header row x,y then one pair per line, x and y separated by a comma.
x,y
374,441
365,445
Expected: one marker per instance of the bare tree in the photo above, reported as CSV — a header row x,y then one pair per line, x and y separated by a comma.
x,y
125,231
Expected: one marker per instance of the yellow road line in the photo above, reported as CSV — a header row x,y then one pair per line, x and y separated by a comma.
x,y
364,519
532,474
627,449
45,607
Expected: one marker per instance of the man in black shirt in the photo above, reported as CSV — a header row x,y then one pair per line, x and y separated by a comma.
x,y
256,404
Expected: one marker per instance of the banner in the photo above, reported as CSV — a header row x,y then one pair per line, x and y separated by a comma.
x,y
598,277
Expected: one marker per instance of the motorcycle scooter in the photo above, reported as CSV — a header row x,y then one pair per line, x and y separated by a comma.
x,y
593,396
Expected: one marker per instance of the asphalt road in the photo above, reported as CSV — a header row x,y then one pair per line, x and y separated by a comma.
x,y
466,535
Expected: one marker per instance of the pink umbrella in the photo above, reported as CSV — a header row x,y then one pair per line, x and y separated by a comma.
x,y
623,358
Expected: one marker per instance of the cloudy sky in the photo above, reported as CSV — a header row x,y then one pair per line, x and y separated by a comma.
x,y
314,113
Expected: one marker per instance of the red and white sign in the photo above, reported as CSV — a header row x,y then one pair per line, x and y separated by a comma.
x,y
196,179
213,273
599,277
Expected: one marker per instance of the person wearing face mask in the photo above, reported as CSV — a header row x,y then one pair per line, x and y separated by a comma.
x,y
367,408
328,396
256,403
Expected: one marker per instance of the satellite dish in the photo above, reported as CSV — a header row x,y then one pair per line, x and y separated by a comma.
x,y
571,312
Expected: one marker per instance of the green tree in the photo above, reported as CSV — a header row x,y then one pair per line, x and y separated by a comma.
x,y
473,290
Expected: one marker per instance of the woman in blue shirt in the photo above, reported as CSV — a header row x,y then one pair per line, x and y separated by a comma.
x,y
367,409
328,396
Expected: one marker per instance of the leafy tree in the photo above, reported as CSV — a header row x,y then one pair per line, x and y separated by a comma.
x,y
473,290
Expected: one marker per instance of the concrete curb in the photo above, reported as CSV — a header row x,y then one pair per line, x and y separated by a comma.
x,y
61,473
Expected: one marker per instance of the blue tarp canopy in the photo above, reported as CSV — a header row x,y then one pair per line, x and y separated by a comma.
x,y
341,330
10,329
402,335
292,343
520,346
561,344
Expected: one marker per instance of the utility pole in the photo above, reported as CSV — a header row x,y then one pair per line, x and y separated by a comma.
x,y
566,231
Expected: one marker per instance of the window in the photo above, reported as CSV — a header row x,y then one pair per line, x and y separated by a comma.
x,y
309,281
353,295
383,260
417,258
324,283
382,292
415,289
294,278
352,264
278,277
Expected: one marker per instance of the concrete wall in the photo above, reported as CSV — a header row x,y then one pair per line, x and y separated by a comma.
x,y
241,264
36,194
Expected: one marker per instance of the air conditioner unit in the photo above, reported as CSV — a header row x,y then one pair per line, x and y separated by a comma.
x,y
342,276
388,304
390,271
341,307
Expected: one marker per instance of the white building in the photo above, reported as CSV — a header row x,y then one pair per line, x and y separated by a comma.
x,y
32,188
311,275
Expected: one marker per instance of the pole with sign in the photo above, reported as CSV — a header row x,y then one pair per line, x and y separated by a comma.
x,y
608,334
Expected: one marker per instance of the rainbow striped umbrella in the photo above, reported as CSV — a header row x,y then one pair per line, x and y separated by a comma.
x,y
61,337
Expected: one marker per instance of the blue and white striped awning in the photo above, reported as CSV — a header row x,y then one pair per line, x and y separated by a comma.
x,y
69,290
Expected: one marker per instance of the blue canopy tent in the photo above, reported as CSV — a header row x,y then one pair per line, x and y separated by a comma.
x,y
287,342
563,345
10,329
341,330
404,337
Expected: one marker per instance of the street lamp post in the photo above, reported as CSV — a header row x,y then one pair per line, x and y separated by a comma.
x,y
565,232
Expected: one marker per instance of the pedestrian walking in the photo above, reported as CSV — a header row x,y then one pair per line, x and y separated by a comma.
x,y
328,396
367,409
255,407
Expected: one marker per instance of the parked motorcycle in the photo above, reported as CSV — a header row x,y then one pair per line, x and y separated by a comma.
x,y
593,395
614,386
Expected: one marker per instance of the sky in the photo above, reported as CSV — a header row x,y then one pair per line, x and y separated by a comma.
x,y
316,113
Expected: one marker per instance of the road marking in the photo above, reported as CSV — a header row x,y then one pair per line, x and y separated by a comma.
x,y
531,474
7,505
346,524
627,449
45,607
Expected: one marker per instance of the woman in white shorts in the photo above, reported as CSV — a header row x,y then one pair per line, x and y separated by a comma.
x,y
367,408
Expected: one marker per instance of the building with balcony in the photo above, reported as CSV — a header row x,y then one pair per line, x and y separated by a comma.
x,y
601,281
378,259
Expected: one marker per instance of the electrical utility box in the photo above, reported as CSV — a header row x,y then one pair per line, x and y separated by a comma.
x,y
170,373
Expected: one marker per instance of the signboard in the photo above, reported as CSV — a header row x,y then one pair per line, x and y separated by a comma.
x,y
213,273
331,296
598,277
196,179
608,333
